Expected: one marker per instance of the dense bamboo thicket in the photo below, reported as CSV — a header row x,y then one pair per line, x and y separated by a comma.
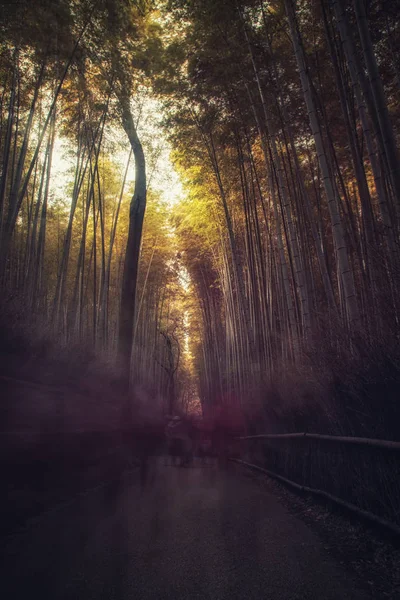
x,y
73,195
284,128
273,284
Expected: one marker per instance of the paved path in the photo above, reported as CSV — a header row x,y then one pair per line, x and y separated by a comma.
x,y
194,533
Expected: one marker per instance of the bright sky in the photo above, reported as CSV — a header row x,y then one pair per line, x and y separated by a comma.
x,y
61,164
161,175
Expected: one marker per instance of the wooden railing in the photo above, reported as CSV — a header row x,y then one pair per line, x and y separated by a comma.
x,y
333,438
360,474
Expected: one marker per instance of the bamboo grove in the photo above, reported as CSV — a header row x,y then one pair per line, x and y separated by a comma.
x,y
284,129
63,242
282,118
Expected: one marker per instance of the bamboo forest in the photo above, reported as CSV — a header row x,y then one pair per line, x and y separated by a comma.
x,y
204,195
200,220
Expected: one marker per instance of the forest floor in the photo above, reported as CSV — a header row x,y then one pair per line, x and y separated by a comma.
x,y
372,554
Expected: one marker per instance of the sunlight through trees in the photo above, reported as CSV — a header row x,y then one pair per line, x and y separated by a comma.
x,y
205,194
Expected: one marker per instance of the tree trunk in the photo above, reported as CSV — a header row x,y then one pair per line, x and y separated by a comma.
x,y
356,78
385,125
345,269
131,264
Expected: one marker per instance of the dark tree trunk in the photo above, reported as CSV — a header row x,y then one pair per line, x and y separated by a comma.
x,y
136,218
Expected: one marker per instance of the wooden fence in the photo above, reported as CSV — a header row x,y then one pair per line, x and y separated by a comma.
x,y
359,474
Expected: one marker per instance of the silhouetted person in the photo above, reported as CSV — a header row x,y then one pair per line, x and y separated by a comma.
x,y
179,442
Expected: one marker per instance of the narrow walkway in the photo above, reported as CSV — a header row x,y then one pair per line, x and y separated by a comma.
x,y
193,533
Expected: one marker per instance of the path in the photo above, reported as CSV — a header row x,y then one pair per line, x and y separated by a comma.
x,y
194,533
